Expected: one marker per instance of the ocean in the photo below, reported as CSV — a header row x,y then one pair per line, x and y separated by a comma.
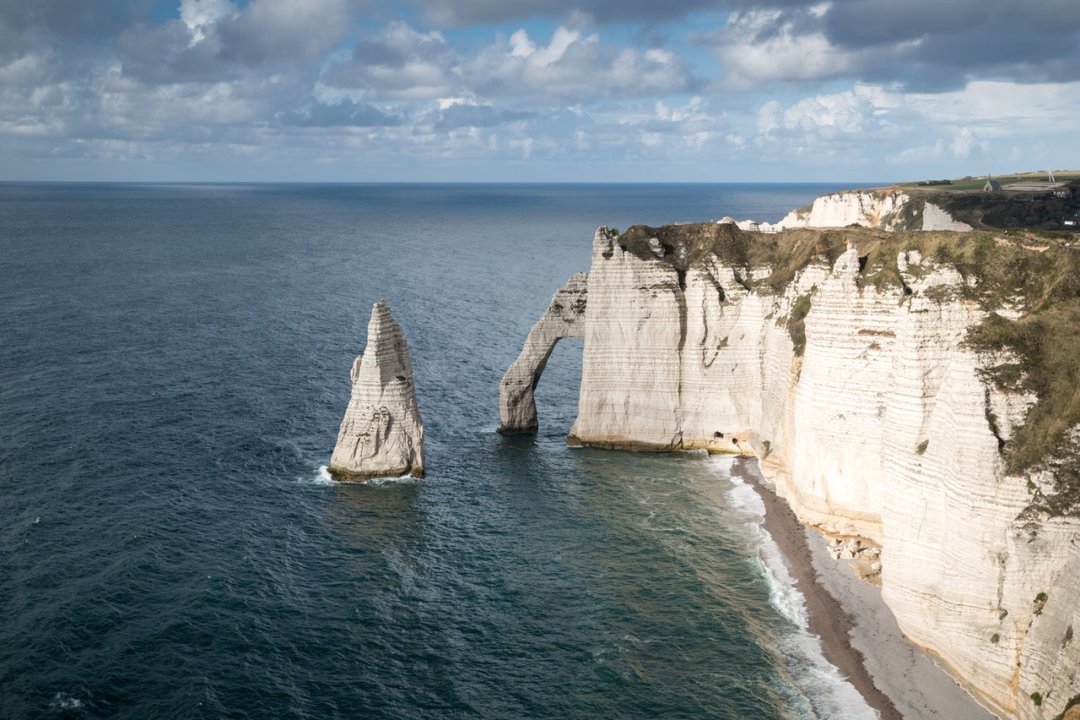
x,y
174,365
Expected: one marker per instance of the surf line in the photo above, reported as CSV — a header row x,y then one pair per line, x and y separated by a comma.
x,y
827,619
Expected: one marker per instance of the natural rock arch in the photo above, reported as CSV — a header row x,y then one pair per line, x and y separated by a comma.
x,y
565,317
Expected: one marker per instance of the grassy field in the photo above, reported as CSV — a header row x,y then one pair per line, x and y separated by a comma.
x,y
976,183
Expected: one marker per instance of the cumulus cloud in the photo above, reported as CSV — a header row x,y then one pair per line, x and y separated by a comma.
x,y
575,66
200,16
980,120
829,118
283,30
72,21
344,113
402,62
212,38
1026,41
476,115
922,44
963,143
757,46
26,69
995,105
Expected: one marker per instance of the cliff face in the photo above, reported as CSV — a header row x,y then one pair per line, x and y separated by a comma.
x,y
847,374
882,209
381,434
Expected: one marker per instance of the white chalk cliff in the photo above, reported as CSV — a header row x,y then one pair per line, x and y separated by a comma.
x,y
381,434
882,209
869,414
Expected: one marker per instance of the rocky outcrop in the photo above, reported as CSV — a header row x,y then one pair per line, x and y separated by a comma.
x,y
563,318
381,434
888,209
854,386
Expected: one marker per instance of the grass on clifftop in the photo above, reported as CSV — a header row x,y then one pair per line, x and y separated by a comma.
x,y
1037,275
972,182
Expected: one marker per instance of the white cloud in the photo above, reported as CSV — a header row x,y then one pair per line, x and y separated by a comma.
x,y
961,144
401,63
758,46
201,15
940,129
919,154
572,65
997,105
275,30
768,118
839,114
524,146
25,70
834,117
965,141
520,44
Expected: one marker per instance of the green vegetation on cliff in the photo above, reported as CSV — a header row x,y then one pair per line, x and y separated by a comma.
x,y
1041,210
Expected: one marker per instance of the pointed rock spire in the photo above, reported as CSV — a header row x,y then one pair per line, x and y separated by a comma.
x,y
381,434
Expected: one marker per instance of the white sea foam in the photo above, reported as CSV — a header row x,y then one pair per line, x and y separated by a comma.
x,y
722,463
66,702
745,498
830,696
403,480
320,477
783,595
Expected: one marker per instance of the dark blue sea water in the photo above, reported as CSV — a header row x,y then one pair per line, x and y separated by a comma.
x,y
174,364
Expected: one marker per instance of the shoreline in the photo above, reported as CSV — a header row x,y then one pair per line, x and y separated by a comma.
x,y
828,619
858,632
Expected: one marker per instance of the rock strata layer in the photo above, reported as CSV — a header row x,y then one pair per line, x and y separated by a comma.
x,y
381,434
563,318
867,411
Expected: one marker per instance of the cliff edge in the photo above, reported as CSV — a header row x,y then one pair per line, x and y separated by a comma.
x,y
381,434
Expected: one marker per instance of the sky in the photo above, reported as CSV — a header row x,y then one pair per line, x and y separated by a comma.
x,y
536,90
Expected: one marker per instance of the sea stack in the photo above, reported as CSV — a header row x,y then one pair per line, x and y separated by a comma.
x,y
381,434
